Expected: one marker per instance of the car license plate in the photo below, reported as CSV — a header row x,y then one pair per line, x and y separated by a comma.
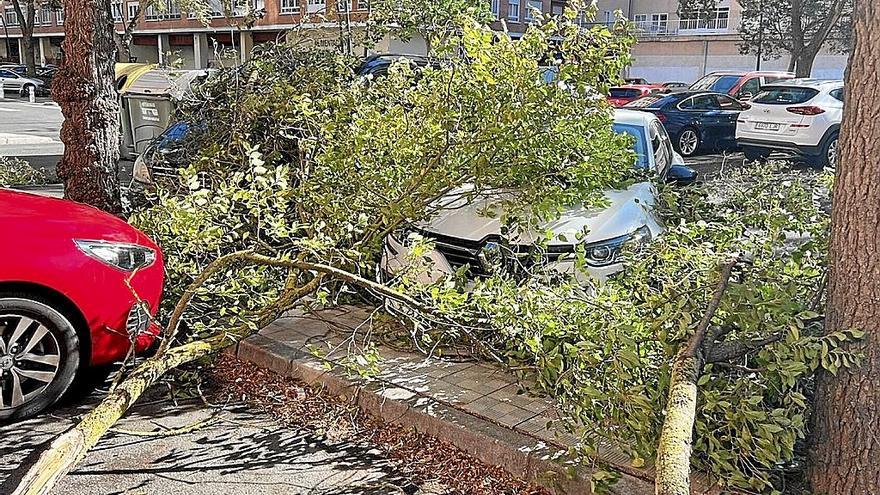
x,y
766,126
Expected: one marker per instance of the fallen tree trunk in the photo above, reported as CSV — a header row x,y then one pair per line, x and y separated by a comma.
x,y
674,450
70,448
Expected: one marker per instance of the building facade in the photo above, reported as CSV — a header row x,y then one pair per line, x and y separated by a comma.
x,y
670,47
683,48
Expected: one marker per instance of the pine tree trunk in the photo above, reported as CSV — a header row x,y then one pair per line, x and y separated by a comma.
x,y
85,89
845,453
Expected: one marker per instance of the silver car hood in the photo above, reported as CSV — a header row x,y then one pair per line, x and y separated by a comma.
x,y
627,210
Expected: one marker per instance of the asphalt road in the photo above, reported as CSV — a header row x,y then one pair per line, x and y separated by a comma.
x,y
242,452
31,131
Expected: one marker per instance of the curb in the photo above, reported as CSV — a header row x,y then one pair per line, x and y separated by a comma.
x,y
521,455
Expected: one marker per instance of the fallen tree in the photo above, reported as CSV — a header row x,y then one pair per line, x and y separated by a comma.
x,y
305,170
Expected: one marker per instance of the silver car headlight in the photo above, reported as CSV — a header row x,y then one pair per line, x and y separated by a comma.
x,y
141,171
122,256
608,252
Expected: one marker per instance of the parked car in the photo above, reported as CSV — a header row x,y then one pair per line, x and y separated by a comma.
x,y
742,85
378,65
799,117
165,155
77,287
675,85
697,120
636,80
619,96
13,81
464,239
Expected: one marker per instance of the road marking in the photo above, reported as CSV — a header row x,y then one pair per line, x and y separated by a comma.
x,y
21,139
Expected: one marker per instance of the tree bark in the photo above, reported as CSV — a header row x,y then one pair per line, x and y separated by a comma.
x,y
804,66
845,453
85,89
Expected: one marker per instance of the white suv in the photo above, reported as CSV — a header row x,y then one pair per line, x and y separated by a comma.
x,y
798,117
465,238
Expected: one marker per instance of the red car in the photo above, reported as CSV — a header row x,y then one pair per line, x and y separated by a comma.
x,y
738,84
619,96
78,287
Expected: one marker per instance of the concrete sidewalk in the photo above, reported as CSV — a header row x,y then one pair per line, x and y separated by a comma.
x,y
477,407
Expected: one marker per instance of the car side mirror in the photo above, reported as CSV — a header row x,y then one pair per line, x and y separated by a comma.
x,y
681,175
746,96
745,106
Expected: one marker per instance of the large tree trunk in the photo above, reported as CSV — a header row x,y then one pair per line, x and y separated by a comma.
x,y
85,89
845,455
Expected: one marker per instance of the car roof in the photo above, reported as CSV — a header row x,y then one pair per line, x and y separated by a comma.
x,y
750,73
632,117
806,82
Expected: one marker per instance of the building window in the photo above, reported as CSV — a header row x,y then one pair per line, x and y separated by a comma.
x,y
172,11
531,7
116,8
151,14
46,15
659,23
513,10
59,16
496,8
11,18
133,10
316,6
716,20
641,21
289,7
363,4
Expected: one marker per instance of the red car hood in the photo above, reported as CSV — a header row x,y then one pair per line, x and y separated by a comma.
x,y
42,216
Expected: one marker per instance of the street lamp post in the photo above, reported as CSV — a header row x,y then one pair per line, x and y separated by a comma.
x,y
760,33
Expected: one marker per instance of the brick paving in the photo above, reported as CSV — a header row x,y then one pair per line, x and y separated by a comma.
x,y
467,395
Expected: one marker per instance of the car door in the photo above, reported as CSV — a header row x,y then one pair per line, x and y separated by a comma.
x,y
10,80
708,118
729,113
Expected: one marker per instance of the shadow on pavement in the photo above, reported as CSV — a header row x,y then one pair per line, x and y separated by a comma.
x,y
244,452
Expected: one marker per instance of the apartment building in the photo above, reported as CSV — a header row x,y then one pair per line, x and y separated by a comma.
x,y
670,47
167,35
683,48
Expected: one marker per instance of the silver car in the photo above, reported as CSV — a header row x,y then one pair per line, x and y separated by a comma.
x,y
462,234
21,84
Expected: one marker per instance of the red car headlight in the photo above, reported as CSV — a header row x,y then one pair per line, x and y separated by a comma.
x,y
122,256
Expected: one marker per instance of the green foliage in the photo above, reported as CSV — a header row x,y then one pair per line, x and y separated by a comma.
x,y
605,352
17,172
433,21
302,159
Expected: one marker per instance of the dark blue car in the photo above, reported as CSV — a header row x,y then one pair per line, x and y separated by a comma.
x,y
697,121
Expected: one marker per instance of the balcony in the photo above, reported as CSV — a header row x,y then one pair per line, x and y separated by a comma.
x,y
682,27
